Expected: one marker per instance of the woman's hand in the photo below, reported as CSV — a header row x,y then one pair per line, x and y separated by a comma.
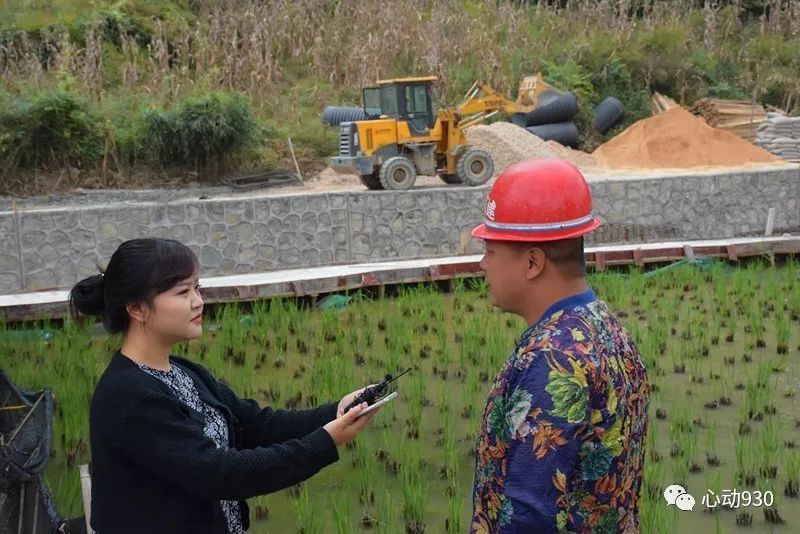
x,y
347,399
346,427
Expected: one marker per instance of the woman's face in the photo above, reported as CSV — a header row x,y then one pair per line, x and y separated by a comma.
x,y
176,314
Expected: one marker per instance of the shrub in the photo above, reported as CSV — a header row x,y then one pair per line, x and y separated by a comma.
x,y
51,129
202,132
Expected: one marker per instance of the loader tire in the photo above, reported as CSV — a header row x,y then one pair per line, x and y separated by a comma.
x,y
398,174
475,167
371,181
452,179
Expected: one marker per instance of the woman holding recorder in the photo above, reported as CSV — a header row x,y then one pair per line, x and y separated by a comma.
x,y
173,449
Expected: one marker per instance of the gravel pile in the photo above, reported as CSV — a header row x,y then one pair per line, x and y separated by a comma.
x,y
509,144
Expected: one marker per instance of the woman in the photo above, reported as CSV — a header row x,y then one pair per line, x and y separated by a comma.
x,y
174,450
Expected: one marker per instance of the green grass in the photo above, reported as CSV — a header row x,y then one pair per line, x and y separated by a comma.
x,y
283,355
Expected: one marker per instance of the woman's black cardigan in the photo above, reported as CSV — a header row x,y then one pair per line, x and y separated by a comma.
x,y
154,470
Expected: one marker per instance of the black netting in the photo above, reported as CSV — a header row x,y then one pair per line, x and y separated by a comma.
x,y
25,430
28,508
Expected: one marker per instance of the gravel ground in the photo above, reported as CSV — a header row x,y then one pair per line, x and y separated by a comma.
x,y
327,180
506,143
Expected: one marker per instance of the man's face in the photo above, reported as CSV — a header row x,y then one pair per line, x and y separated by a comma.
x,y
506,267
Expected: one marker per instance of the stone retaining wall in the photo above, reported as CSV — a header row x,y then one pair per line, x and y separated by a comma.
x,y
53,248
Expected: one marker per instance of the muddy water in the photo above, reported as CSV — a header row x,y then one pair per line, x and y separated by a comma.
x,y
295,369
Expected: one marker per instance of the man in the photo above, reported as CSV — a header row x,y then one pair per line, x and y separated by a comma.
x,y
561,444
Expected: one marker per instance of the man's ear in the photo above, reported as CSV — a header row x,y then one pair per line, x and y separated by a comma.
x,y
138,312
536,260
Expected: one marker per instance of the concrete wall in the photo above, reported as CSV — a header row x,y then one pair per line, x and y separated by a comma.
x,y
53,248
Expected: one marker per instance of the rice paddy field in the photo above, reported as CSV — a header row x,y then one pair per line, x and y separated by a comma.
x,y
720,342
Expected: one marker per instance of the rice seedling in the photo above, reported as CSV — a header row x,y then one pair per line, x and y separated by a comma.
x,y
388,516
713,484
451,459
783,332
688,444
732,327
684,434
390,451
711,438
745,454
260,508
366,463
655,517
471,396
791,469
453,521
308,520
770,446
340,508
416,402
756,325
793,303
754,402
680,472
415,495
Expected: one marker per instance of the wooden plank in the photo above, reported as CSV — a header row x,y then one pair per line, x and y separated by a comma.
x,y
86,494
600,259
770,222
297,288
369,279
318,281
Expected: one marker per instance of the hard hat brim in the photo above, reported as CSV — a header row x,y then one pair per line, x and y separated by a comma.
x,y
488,234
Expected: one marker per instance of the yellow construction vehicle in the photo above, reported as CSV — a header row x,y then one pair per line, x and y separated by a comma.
x,y
403,135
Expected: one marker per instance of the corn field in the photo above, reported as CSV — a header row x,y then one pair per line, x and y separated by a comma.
x,y
261,47
290,59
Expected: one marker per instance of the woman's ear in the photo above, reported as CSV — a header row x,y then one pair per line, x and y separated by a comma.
x,y
137,311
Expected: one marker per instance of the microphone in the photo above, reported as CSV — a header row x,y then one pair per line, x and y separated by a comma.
x,y
372,394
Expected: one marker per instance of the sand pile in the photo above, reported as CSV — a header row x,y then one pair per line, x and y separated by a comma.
x,y
677,139
582,160
509,144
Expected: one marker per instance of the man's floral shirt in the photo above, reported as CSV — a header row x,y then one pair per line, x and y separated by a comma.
x,y
561,444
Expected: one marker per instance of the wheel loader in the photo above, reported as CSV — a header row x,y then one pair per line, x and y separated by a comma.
x,y
403,135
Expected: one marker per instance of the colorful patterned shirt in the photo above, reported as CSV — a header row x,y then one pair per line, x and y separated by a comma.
x,y
561,445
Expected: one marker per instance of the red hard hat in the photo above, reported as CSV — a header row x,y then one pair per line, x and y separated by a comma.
x,y
538,200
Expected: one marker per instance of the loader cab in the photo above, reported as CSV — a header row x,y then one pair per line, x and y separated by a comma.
x,y
409,99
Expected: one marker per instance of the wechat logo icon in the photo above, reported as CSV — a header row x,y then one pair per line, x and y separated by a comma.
x,y
677,495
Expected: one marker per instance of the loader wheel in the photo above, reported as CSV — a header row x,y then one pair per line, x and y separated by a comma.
x,y
475,167
372,181
398,173
452,179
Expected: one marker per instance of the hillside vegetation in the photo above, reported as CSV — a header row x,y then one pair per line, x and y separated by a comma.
x,y
143,91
